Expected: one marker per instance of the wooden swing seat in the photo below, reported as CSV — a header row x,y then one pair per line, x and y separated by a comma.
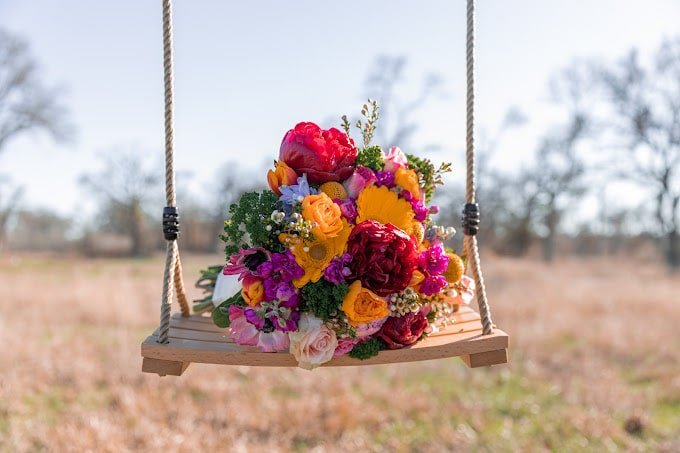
x,y
197,339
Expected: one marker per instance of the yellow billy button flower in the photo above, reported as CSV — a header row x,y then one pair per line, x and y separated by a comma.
x,y
455,269
333,190
408,179
325,214
361,305
315,257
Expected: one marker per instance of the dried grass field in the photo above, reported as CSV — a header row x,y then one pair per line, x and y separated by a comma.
x,y
595,366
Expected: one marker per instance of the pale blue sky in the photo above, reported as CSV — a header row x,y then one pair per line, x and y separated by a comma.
x,y
248,71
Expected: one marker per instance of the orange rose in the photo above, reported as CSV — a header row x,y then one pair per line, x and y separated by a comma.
x,y
282,175
408,179
361,305
253,290
325,214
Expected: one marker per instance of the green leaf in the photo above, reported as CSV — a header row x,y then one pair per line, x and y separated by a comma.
x,y
220,314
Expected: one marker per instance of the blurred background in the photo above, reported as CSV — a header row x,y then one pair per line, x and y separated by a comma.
x,y
578,141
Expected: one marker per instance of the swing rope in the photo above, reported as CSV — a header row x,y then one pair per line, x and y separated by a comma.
x,y
172,277
471,210
173,281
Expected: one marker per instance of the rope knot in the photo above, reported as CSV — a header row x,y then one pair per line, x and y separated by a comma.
x,y
170,223
471,219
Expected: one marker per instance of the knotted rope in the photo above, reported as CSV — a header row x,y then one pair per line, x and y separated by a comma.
x,y
172,277
470,241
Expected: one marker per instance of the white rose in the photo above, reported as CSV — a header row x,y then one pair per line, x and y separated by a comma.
x,y
313,343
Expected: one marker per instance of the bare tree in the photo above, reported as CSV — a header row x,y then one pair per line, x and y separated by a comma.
x,y
124,187
397,114
645,106
230,182
26,104
10,196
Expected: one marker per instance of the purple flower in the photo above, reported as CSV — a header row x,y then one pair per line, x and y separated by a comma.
x,y
434,260
432,285
384,178
337,270
281,268
278,273
253,318
434,209
348,208
419,209
406,195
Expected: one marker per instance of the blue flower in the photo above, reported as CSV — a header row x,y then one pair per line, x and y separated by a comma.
x,y
295,193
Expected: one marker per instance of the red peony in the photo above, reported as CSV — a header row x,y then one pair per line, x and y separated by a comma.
x,y
383,257
325,155
403,331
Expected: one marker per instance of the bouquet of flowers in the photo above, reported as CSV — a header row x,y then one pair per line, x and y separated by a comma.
x,y
341,255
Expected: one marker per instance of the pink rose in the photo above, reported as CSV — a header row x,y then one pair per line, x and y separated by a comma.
x,y
345,345
368,329
313,344
360,179
394,159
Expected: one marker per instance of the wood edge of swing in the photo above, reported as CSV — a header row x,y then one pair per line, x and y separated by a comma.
x,y
194,340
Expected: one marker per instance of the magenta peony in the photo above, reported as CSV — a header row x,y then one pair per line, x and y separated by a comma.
x,y
383,257
324,155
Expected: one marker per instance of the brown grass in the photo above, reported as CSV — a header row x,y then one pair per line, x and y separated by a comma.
x,y
594,349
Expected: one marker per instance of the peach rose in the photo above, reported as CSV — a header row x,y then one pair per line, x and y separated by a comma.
x,y
361,305
408,179
253,290
326,215
313,344
282,175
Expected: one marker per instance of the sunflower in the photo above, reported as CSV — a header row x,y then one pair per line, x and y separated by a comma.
x,y
384,206
314,257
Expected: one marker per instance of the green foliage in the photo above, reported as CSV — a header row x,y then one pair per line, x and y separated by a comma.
x,y
367,349
252,215
323,298
429,176
371,157
220,314
206,282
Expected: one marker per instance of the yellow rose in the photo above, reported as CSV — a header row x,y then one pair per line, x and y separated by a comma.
x,y
253,290
361,305
408,179
326,215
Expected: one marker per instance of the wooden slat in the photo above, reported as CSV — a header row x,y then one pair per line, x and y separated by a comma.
x,y
197,339
486,358
163,367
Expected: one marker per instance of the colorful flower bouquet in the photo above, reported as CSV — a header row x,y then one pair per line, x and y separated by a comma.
x,y
341,255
